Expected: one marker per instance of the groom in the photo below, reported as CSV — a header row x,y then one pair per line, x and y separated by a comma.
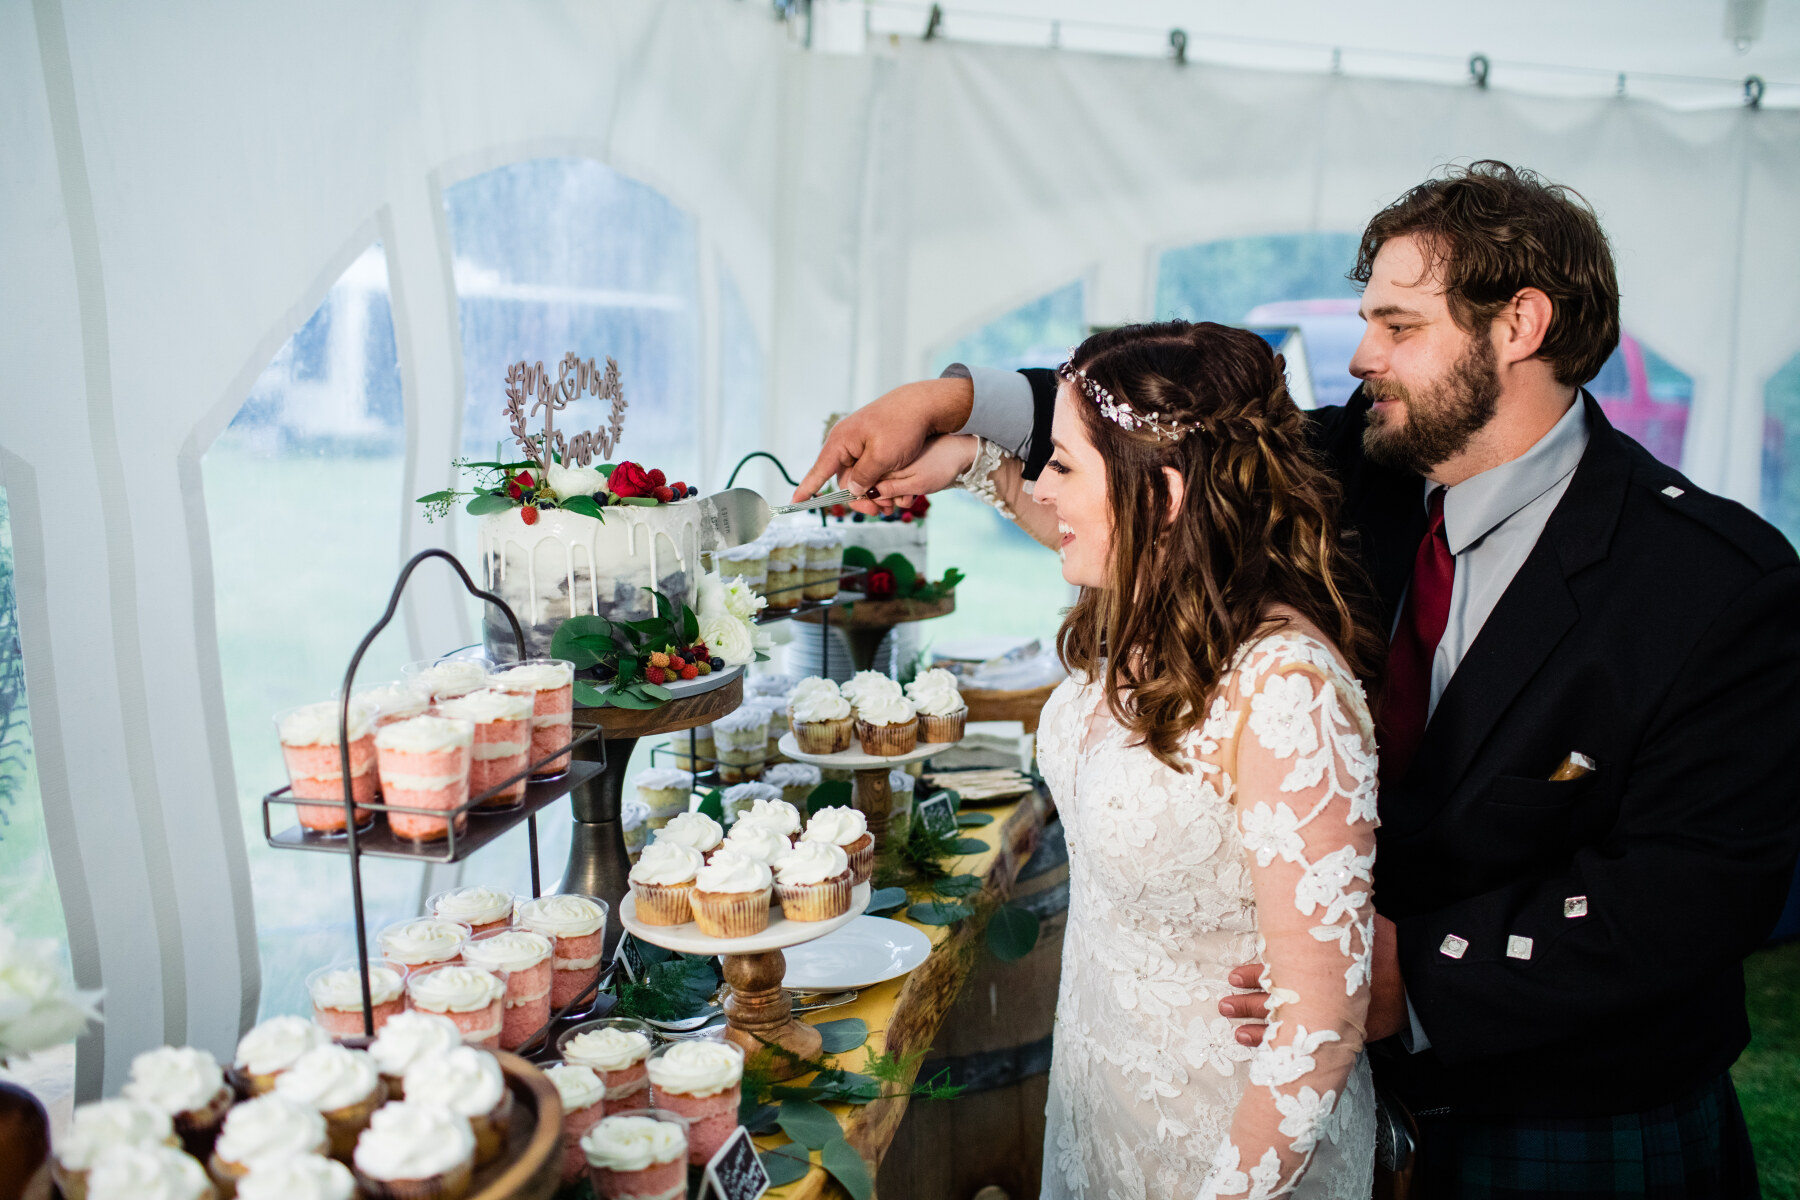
x,y
1589,811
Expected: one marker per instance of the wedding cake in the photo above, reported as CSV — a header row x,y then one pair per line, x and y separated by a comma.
x,y
882,536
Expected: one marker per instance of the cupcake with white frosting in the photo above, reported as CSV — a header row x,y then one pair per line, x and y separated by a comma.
x,y
617,1049
408,1039
583,1099
577,926
342,1085
813,881
423,941
187,1084
480,908
473,999
641,1157
775,814
305,1178
821,717
848,828
96,1128
738,798
796,781
271,1048
868,684
337,998
263,1130
470,1084
662,883
942,710
750,840
701,1081
695,830
887,724
414,1151
147,1172
731,895
666,790
524,959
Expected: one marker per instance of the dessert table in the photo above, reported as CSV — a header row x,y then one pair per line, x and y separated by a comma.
x,y
904,1014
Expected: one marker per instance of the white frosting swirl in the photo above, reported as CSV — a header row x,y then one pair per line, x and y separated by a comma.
x,y
866,684
748,552
608,1048
734,873
627,1143
276,1043
886,708
819,706
488,704
465,1080
662,779
578,1086
308,1177
410,1036
562,916
666,863
508,950
423,940
454,989
174,1079
341,990
935,693
407,1140
477,905
452,677
839,825
317,724
423,735
751,840
787,775
392,701
633,813
329,1078
146,1172
103,1124
741,720
812,862
778,815
543,676
814,685
270,1127
692,829
697,1068
740,796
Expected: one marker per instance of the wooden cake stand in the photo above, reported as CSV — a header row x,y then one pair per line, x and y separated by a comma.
x,y
866,622
758,1012
870,794
598,864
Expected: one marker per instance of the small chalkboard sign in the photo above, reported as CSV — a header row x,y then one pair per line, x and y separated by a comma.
x,y
736,1171
938,813
631,958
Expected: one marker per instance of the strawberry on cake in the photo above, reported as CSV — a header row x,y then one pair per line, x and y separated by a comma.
x,y
424,764
700,1081
469,996
337,998
577,925
524,958
315,762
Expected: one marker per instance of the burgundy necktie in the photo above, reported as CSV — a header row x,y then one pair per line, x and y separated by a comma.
x,y
1406,700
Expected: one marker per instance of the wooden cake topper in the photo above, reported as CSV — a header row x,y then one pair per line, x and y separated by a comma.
x,y
574,379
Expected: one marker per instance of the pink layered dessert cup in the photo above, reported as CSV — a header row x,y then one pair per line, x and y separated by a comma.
x,y
649,1177
625,1072
503,733
481,908
526,960
473,999
423,941
583,1098
315,764
336,993
705,1093
424,764
551,682
577,927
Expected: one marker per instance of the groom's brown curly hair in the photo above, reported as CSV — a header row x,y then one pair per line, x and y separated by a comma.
x,y
1258,525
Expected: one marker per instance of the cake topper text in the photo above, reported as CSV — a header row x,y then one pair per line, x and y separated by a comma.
x,y
574,379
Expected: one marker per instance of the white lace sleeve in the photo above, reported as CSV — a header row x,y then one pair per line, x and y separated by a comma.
x,y
1306,810
978,480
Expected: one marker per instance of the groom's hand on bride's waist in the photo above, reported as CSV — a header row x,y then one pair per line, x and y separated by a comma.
x,y
886,435
1387,995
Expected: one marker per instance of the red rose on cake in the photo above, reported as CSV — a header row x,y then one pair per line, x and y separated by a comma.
x,y
920,506
629,479
881,584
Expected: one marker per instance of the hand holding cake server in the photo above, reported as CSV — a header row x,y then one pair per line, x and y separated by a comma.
x,y
1553,985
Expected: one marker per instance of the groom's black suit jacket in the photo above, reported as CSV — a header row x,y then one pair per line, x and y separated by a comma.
x,y
1655,628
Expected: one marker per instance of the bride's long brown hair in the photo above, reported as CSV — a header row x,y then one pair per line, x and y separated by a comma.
x,y
1258,525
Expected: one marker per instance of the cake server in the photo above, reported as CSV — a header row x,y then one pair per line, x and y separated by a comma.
x,y
740,515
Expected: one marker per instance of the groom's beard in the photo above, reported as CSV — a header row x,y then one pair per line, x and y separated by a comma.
x,y
1441,419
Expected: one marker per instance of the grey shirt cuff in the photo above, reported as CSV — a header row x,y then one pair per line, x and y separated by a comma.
x,y
1002,409
1413,1037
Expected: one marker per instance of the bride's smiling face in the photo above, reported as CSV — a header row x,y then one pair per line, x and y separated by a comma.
x,y
1073,483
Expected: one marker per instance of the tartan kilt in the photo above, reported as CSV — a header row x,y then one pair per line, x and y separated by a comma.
x,y
1694,1147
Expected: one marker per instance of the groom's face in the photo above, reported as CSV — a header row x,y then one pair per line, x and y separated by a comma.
x,y
1433,384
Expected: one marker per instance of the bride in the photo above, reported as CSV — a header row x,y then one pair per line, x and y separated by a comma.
x,y
1213,759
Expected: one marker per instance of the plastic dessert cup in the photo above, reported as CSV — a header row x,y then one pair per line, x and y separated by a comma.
x,y
482,909
315,765
502,743
577,926
551,683
641,1169
423,941
711,1107
584,1103
424,763
608,1048
527,959
336,993
470,997
447,678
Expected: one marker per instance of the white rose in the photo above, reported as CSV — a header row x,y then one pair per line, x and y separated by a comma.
x,y
37,1009
742,600
712,596
729,638
574,481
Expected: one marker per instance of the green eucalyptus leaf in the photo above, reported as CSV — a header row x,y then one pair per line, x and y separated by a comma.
x,y
785,1164
487,503
690,626
886,900
443,497
974,820
809,1123
655,691
638,501
624,699
938,912
905,574
843,1035
833,793
757,1118
589,696
858,556
970,846
848,1168
712,803
1012,932
957,885
582,506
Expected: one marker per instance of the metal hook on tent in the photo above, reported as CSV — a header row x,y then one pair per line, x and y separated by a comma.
x,y
1478,69
1178,43
1753,91
934,22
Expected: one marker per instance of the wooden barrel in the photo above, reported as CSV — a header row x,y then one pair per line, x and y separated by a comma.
x,y
995,1043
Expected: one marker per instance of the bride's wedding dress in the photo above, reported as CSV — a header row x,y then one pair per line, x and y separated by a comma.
x,y
1261,853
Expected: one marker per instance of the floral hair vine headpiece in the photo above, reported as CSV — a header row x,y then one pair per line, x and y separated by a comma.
x,y
1119,412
